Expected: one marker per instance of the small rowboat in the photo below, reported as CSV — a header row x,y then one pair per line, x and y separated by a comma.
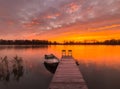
x,y
51,62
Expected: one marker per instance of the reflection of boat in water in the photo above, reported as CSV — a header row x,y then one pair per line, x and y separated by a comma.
x,y
51,62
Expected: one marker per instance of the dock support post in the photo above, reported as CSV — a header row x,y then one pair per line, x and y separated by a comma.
x,y
63,53
69,52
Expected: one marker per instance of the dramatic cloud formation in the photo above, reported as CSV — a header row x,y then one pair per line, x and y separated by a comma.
x,y
38,19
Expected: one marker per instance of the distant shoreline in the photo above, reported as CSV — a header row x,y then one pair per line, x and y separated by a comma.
x,y
50,44
46,42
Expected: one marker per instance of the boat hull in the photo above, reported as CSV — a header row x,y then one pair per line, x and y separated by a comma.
x,y
51,66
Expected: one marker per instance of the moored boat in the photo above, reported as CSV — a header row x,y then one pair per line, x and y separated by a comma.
x,y
51,62
51,59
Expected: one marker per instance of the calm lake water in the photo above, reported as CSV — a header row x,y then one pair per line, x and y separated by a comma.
x,y
100,66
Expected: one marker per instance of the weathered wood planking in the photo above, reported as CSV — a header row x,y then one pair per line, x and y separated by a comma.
x,y
68,76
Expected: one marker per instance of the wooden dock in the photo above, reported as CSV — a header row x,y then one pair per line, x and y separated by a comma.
x,y
67,75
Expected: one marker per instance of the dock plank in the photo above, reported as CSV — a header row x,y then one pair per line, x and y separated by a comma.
x,y
68,76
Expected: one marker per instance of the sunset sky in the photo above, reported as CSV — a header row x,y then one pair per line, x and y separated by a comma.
x,y
60,20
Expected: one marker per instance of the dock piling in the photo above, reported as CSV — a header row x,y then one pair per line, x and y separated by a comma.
x,y
63,53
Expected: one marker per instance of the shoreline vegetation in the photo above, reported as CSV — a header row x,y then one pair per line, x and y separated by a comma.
x,y
11,67
46,42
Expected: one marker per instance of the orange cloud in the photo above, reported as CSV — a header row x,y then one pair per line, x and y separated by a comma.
x,y
10,22
52,16
105,27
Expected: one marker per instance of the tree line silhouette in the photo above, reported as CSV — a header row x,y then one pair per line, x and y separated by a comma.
x,y
94,42
46,42
24,42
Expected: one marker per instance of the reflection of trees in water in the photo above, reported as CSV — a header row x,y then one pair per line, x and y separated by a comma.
x,y
17,68
19,47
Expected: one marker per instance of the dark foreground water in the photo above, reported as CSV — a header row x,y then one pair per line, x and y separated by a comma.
x,y
100,66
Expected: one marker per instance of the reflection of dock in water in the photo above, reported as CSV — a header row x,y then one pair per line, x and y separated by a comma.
x,y
67,75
